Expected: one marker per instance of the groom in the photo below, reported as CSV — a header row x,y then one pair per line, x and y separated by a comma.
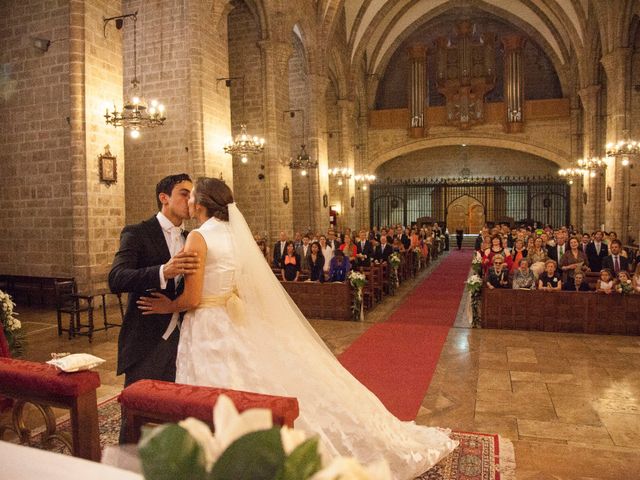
x,y
150,258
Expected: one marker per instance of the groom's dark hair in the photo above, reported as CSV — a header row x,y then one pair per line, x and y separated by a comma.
x,y
167,183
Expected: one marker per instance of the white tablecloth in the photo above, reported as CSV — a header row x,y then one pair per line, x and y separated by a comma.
x,y
25,463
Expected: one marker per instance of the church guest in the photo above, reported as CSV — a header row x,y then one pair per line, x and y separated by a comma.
x,y
550,281
290,268
498,275
349,248
262,245
615,262
279,249
605,282
364,250
537,256
340,267
327,253
303,252
596,252
573,260
577,283
315,261
524,278
518,253
623,278
496,249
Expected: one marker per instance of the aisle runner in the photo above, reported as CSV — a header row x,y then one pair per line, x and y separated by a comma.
x,y
396,359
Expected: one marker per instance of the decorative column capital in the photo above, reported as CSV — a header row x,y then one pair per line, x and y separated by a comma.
x,y
615,62
417,52
589,93
513,42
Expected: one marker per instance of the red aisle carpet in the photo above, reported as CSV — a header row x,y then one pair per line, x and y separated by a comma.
x,y
396,359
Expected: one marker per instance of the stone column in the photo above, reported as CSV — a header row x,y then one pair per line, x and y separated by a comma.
x,y
577,185
347,191
593,186
616,66
513,83
417,90
317,139
275,97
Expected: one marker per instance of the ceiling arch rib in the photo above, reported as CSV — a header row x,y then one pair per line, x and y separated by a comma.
x,y
557,21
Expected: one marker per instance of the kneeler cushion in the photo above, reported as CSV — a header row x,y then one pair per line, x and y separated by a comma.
x,y
42,379
181,401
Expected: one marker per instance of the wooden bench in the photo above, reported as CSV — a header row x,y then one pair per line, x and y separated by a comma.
x,y
155,401
328,301
31,290
576,312
44,386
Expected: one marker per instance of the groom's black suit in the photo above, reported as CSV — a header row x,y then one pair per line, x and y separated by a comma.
x,y
142,352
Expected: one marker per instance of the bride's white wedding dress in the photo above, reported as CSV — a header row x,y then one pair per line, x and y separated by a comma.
x,y
272,349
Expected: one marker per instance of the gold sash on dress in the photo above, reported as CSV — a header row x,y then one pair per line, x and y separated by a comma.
x,y
231,300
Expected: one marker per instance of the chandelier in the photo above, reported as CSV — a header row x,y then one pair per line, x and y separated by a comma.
x,y
365,180
302,161
592,165
135,114
243,144
624,148
572,174
340,173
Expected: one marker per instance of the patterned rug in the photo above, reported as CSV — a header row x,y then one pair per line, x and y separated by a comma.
x,y
480,456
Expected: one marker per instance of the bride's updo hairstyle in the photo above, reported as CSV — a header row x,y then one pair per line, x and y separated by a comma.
x,y
215,196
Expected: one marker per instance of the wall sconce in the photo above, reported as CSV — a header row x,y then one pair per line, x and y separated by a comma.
x,y
353,201
285,193
42,44
585,198
608,194
325,200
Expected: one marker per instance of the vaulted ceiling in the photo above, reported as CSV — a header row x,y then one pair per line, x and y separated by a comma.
x,y
375,26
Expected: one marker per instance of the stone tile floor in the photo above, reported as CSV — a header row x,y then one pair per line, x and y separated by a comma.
x,y
570,403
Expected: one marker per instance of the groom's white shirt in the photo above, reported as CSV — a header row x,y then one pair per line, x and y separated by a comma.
x,y
175,243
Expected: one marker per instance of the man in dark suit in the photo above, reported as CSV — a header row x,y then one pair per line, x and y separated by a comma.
x,y
364,248
556,251
384,250
279,249
596,251
332,241
616,262
151,258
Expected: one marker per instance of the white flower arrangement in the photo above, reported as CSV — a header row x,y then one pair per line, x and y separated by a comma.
x,y
474,283
394,259
357,279
245,446
11,325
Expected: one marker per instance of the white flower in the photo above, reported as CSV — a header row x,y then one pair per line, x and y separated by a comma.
x,y
201,432
291,438
344,468
231,425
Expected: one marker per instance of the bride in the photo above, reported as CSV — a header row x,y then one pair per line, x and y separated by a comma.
x,y
242,331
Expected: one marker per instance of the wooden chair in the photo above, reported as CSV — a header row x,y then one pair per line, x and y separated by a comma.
x,y
68,303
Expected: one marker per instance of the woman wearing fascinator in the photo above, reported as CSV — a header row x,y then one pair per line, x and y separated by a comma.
x,y
242,331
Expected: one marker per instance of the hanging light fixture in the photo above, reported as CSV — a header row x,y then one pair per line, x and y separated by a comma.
x,y
243,144
135,114
302,161
340,173
626,149
592,165
365,180
572,174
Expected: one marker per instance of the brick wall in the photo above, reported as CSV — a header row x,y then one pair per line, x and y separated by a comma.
x,y
245,60
35,199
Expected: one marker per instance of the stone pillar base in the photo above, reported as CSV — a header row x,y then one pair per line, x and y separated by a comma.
x,y
417,132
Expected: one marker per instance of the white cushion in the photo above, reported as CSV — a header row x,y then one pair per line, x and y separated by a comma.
x,y
77,362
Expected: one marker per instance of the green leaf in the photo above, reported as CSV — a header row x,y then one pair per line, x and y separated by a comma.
x,y
303,462
170,454
254,456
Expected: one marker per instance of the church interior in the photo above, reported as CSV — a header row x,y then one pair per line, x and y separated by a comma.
x,y
342,114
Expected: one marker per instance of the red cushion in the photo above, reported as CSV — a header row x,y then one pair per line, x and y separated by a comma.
x,y
175,400
42,379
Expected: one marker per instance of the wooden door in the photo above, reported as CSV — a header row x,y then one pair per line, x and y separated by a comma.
x,y
466,213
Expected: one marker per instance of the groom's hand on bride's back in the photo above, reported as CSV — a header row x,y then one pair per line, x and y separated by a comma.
x,y
183,263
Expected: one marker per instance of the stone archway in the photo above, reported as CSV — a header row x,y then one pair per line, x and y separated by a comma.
x,y
467,213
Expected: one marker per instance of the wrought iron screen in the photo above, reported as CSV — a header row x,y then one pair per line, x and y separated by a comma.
x,y
544,200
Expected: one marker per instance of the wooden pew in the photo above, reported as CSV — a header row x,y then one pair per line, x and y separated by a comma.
x,y
31,289
576,312
328,301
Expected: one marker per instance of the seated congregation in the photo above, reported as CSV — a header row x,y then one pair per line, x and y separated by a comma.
x,y
521,266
